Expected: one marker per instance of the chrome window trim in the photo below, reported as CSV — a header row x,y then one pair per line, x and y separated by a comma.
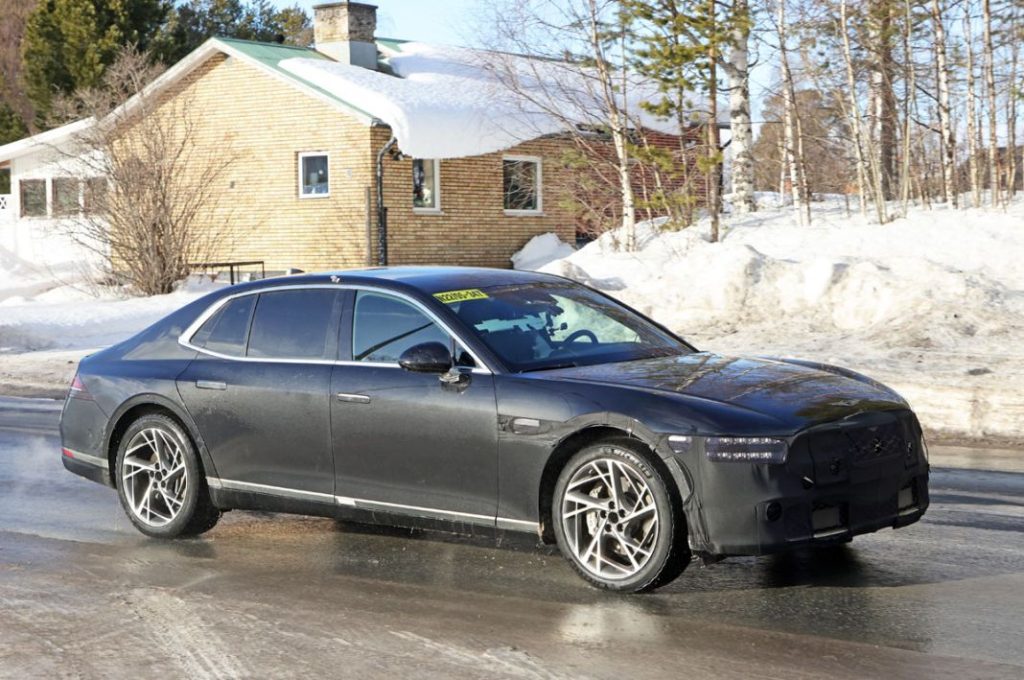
x,y
366,504
186,336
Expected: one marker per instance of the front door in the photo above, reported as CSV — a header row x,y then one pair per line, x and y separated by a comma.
x,y
406,442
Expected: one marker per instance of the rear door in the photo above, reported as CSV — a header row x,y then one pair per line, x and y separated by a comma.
x,y
259,391
405,442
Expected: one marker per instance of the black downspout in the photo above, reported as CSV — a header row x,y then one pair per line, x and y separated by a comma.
x,y
382,212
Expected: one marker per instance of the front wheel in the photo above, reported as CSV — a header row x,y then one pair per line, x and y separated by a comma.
x,y
160,481
615,521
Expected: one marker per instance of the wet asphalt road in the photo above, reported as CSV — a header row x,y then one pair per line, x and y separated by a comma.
x,y
83,595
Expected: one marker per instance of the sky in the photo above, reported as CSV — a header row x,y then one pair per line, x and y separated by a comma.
x,y
446,22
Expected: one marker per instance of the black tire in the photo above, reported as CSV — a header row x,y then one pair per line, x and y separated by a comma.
x,y
668,551
196,513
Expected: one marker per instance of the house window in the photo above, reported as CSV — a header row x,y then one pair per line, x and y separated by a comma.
x,y
314,175
522,184
33,197
65,196
95,196
5,180
426,184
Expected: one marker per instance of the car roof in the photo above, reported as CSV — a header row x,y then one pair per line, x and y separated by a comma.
x,y
428,280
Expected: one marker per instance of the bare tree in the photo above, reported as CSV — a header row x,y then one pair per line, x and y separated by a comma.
x,y
854,114
579,78
879,39
792,138
149,186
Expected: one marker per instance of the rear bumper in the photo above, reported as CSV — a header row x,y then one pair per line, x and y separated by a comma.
x,y
91,467
82,425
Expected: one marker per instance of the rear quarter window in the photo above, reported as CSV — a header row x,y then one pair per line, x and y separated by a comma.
x,y
227,330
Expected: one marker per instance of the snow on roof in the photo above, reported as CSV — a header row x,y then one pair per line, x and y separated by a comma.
x,y
44,140
448,102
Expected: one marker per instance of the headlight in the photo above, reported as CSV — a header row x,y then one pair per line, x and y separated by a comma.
x,y
745,449
733,449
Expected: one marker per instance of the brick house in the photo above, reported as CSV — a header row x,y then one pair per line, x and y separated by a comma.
x,y
316,172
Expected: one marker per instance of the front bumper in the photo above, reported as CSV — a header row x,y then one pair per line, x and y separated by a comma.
x,y
840,480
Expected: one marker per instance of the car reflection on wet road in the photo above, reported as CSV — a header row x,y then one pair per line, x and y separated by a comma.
x,y
83,595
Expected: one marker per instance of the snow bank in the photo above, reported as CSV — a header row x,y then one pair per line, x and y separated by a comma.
x,y
446,102
933,303
57,309
540,251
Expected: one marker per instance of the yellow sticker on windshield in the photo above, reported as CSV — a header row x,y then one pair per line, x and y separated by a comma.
x,y
452,296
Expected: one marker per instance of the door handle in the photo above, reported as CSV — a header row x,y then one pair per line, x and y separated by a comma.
x,y
211,385
353,398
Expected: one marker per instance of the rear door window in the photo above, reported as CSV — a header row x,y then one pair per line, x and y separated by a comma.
x,y
295,324
228,329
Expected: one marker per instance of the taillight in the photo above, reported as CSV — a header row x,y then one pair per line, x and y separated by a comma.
x,y
77,389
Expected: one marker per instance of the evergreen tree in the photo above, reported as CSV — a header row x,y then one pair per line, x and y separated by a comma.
x,y
193,22
12,127
69,43
677,44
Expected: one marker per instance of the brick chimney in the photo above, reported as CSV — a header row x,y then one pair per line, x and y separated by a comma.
x,y
345,31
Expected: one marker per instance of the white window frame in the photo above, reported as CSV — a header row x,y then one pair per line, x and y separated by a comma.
x,y
436,210
539,210
47,187
313,154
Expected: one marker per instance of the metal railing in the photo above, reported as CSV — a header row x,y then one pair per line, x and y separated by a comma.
x,y
234,268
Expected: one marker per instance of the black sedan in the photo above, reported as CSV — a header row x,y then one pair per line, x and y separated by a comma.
x,y
478,399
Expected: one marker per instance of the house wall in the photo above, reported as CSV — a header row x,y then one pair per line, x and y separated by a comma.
x,y
44,241
472,227
264,124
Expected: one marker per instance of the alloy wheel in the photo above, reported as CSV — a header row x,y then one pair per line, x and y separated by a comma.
x,y
154,476
610,519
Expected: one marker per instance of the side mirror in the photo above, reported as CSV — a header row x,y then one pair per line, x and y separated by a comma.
x,y
427,357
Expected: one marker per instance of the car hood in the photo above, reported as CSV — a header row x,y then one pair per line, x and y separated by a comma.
x,y
795,395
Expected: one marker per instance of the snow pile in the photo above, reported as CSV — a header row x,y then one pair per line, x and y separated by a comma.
x,y
447,102
933,303
541,250
57,309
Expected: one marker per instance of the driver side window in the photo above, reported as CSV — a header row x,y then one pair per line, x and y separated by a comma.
x,y
384,326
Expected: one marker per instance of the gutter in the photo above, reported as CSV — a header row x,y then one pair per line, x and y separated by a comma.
x,y
382,211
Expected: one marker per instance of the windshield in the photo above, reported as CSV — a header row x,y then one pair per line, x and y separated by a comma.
x,y
551,325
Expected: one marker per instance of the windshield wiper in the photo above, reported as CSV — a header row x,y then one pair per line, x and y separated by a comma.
x,y
552,367
384,343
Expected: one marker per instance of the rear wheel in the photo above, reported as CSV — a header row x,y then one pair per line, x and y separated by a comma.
x,y
160,480
615,520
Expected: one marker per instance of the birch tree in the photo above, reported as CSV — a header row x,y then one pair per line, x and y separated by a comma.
x,y
990,87
972,138
949,192
1011,117
737,70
